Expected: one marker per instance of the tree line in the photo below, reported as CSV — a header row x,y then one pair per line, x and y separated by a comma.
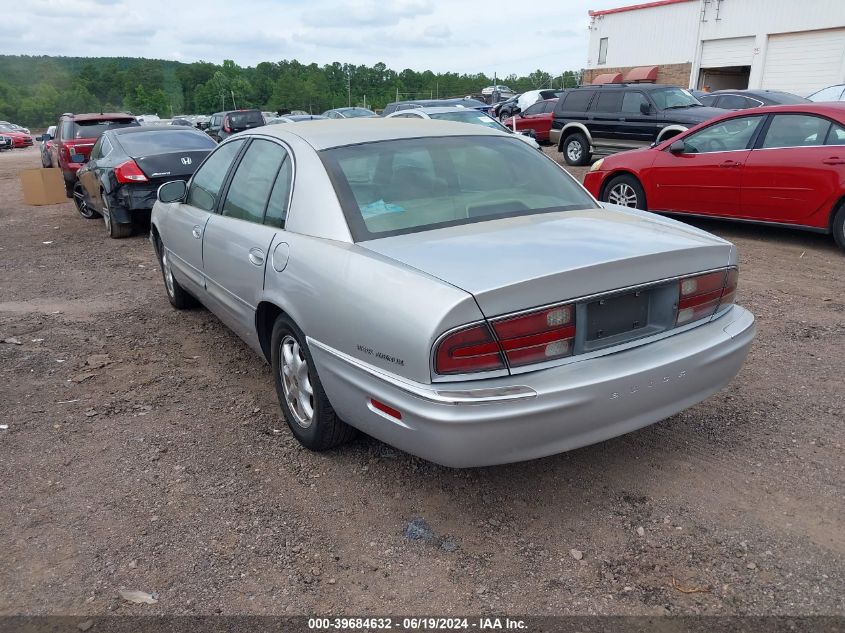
x,y
35,90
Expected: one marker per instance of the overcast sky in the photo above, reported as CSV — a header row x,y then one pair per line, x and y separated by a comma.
x,y
442,35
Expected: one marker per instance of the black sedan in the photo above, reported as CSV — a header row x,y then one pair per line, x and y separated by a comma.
x,y
744,99
121,178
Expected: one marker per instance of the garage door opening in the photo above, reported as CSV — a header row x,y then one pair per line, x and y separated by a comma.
x,y
726,77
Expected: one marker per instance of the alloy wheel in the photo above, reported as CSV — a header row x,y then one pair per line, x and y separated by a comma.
x,y
622,194
296,382
81,205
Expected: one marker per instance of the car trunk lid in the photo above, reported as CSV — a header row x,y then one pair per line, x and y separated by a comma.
x,y
171,165
518,263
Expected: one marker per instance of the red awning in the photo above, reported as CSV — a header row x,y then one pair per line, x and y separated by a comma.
x,y
642,74
608,78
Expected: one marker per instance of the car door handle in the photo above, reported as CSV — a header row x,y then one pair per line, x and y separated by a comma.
x,y
622,118
834,160
256,256
730,163
197,231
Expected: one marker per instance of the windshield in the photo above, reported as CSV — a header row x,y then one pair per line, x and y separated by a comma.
x,y
668,98
411,185
351,113
165,141
470,116
94,129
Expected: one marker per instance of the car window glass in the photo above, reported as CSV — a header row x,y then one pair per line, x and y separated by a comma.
x,y
632,100
95,151
206,183
725,136
253,180
609,101
836,135
833,93
735,102
578,100
550,106
277,207
410,185
709,100
796,130
536,108
105,147
67,129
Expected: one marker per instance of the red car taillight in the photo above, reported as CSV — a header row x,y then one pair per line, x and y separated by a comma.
x,y
468,350
129,172
699,296
535,337
226,127
539,336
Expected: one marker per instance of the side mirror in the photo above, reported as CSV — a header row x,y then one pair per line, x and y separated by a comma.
x,y
677,147
173,191
645,108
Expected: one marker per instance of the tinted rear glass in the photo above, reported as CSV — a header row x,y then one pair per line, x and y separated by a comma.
x,y
577,100
470,116
356,112
242,120
411,185
164,142
95,129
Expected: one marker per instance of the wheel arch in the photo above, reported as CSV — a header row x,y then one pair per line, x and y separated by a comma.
x,y
837,208
265,318
568,128
620,172
669,131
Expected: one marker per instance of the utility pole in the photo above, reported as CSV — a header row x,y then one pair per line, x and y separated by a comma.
x,y
349,88
234,105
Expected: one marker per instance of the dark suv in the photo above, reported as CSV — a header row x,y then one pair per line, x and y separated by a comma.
x,y
611,118
224,124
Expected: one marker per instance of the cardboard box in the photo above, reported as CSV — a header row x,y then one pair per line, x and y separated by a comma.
x,y
43,186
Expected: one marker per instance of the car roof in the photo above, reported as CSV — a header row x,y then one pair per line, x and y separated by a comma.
x,y
333,133
750,91
834,110
101,116
442,110
137,129
234,111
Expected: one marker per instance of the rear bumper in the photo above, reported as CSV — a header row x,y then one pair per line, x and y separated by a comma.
x,y
545,412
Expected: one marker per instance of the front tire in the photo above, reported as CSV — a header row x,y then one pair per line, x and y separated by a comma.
x,y
304,403
576,150
839,227
626,191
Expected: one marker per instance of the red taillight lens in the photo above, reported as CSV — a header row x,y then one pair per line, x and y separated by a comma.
x,y
701,295
538,336
469,350
226,127
129,172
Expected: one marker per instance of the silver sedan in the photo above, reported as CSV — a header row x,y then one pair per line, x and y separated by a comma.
x,y
447,289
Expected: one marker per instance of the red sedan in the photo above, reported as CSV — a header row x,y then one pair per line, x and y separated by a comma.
x,y
776,164
19,139
536,119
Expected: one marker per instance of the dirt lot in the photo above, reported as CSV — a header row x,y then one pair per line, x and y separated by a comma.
x,y
140,454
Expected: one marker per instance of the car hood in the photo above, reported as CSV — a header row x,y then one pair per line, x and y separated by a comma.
x,y
517,263
694,114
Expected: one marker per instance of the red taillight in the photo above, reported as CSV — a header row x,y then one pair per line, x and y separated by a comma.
x,y
226,127
129,172
538,336
468,350
700,296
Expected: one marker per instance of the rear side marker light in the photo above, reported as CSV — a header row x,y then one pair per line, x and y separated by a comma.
x,y
380,406
700,296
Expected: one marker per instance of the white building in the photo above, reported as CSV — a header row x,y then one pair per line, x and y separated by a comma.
x,y
796,46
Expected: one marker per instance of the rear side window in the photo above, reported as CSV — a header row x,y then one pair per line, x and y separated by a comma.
x,y
277,207
737,102
207,182
164,141
251,185
536,108
550,106
609,101
836,135
578,100
796,130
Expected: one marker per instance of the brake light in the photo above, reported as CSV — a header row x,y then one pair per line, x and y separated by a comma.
x,y
539,336
699,296
226,127
129,172
469,350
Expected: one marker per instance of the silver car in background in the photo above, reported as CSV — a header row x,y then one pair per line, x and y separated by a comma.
x,y
447,289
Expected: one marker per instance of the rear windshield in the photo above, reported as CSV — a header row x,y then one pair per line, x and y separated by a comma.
x,y
93,129
411,185
356,112
470,116
243,120
164,142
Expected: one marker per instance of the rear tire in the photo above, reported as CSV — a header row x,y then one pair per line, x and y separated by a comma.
x,y
179,298
626,191
576,150
115,230
839,227
304,403
81,205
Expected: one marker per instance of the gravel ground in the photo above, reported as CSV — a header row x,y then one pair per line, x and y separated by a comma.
x,y
140,454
